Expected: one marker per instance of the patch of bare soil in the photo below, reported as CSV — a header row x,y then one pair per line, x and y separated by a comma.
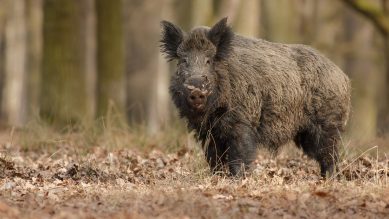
x,y
130,184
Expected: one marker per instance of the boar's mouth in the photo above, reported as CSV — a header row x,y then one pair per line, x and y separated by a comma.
x,y
197,98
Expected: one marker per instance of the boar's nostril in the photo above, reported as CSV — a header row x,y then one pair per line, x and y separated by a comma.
x,y
192,97
202,96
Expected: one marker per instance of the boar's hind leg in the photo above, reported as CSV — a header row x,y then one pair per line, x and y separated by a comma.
x,y
322,146
215,154
242,150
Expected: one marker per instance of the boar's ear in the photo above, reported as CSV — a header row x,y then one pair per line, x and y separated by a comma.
x,y
221,36
172,37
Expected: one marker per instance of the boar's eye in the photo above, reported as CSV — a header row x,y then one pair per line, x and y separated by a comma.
x,y
208,61
183,61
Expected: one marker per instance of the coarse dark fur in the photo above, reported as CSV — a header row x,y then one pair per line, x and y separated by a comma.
x,y
262,94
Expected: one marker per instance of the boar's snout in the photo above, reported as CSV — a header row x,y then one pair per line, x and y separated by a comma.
x,y
197,87
197,99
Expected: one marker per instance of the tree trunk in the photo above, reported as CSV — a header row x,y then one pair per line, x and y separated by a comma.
x,y
248,19
34,55
383,122
2,55
110,56
384,114
308,24
141,56
89,31
202,11
227,8
63,90
359,64
159,106
278,20
377,13
15,64
183,13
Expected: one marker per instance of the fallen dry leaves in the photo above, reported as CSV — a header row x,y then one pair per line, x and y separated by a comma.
x,y
125,183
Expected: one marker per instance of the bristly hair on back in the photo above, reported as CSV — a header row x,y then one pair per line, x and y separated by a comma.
x,y
172,37
221,36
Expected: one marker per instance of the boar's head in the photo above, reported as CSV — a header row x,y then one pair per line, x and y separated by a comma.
x,y
195,85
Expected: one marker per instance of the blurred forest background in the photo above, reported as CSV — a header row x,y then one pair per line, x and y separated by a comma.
x,y
73,61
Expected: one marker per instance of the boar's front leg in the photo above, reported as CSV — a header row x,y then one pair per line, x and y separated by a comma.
x,y
242,149
215,154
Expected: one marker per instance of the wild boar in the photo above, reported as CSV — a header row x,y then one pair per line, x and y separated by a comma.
x,y
239,93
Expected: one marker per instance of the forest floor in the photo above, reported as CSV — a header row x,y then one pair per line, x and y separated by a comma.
x,y
69,180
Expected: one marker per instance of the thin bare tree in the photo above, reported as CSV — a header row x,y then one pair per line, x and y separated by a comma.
x,y
141,56
63,90
359,61
110,56
34,15
15,97
2,54
377,12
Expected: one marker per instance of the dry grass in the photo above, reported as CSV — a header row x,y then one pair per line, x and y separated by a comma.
x,y
118,172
